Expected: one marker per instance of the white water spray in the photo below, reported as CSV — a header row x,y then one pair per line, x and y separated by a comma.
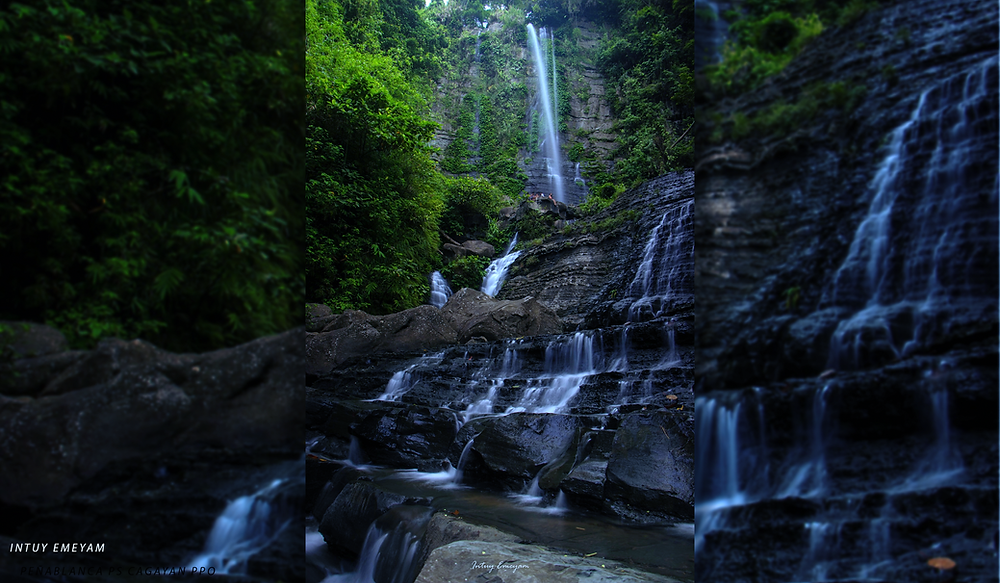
x,y
548,116
245,527
496,273
440,291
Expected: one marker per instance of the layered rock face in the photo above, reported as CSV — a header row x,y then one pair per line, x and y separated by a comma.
x,y
590,279
847,333
142,449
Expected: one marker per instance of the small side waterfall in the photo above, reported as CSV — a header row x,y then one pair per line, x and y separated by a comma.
x,y
247,526
440,291
710,33
496,273
391,550
548,120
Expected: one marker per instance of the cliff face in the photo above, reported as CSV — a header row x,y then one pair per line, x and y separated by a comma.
x,y
589,279
490,99
779,213
846,276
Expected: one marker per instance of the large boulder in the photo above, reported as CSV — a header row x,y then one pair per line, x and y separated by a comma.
x,y
409,436
345,522
355,333
472,313
517,446
651,467
471,247
318,317
504,562
468,314
28,339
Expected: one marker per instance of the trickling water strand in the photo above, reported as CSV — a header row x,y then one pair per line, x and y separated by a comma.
x,y
813,567
399,384
667,266
440,291
808,477
391,548
245,527
727,472
547,119
710,33
496,273
918,259
355,455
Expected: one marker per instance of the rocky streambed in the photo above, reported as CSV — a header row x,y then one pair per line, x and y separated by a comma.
x,y
492,432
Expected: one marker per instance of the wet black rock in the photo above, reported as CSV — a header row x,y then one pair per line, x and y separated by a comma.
x,y
345,522
651,466
518,445
586,277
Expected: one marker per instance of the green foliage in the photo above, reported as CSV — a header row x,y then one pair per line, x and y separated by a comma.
x,y
768,34
648,63
766,47
535,225
600,198
854,10
466,271
152,169
372,193
890,75
469,201
781,118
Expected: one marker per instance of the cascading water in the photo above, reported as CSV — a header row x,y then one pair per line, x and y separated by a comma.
x,y
710,32
730,464
915,264
524,434
391,548
548,117
922,264
440,291
666,273
246,527
567,366
496,273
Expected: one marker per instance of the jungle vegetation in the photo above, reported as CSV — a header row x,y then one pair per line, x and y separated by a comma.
x,y
151,174
379,196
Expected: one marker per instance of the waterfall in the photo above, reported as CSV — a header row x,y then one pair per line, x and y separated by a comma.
x,y
391,551
710,33
730,466
400,382
667,269
440,291
548,118
567,366
246,526
914,267
496,273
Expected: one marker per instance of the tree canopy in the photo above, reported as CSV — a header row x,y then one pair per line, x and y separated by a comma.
x,y
152,168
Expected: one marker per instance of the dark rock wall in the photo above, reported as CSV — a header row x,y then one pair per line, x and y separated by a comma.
x,y
586,278
774,214
917,397
142,449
